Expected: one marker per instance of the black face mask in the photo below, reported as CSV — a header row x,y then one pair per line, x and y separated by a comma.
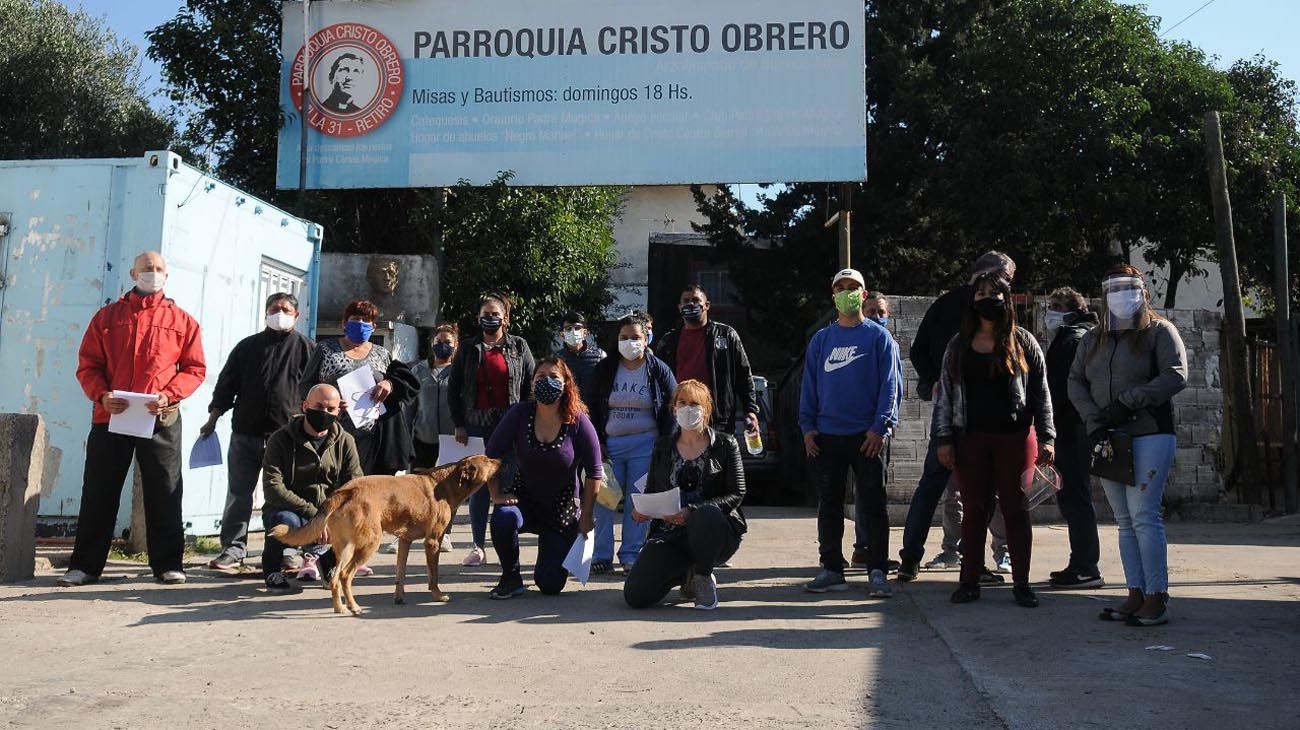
x,y
443,350
991,309
489,323
321,420
691,312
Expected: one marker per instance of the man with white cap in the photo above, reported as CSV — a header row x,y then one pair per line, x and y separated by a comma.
x,y
848,403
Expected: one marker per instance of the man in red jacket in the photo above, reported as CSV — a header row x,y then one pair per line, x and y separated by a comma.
x,y
142,343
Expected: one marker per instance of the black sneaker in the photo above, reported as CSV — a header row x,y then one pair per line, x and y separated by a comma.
x,y
506,590
278,582
1058,573
989,578
907,570
966,593
1076,579
892,566
1024,595
599,567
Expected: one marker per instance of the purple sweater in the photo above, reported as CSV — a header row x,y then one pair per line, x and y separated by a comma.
x,y
546,470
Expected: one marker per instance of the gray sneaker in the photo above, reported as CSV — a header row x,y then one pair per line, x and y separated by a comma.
x,y
879,585
74,578
827,580
706,592
172,577
946,560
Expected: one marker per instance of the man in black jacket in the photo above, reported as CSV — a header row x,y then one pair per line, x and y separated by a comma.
x,y
260,381
711,352
1069,318
942,320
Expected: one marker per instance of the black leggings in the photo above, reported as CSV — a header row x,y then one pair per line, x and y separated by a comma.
x,y
706,540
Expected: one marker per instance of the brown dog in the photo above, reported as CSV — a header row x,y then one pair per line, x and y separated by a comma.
x,y
412,507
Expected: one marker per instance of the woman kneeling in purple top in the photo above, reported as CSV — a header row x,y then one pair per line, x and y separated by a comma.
x,y
553,441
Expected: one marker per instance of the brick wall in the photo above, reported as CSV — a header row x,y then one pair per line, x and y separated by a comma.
x,y
1198,409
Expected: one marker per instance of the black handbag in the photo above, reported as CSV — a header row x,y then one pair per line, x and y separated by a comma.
x,y
1112,458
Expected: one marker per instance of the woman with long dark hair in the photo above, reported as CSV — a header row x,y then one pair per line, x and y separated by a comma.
x,y
490,372
553,443
993,419
1125,375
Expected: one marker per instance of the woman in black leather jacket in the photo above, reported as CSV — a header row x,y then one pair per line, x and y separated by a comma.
x,y
683,548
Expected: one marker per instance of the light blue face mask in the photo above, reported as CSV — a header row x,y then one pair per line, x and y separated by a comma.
x,y
882,321
1054,320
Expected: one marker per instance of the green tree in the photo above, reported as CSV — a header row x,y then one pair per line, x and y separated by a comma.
x,y
551,249
71,87
1064,132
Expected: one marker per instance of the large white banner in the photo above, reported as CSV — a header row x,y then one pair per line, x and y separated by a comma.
x,y
416,93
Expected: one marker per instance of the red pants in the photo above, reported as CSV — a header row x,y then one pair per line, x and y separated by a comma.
x,y
989,465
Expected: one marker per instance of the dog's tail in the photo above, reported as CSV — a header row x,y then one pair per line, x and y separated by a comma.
x,y
311,532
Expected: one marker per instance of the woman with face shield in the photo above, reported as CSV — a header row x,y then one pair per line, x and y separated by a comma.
x,y
1124,377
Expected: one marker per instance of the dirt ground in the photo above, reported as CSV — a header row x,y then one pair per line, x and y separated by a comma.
x,y
220,653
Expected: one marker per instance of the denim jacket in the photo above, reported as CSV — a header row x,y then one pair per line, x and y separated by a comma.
x,y
1028,391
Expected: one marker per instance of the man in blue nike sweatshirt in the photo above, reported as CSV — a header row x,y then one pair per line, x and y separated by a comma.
x,y
847,405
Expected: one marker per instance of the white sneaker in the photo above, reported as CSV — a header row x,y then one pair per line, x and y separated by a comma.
x,y
390,547
1004,565
445,546
172,577
74,578
475,557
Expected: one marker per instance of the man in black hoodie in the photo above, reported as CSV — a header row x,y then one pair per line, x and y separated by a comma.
x,y
260,382
1069,318
942,320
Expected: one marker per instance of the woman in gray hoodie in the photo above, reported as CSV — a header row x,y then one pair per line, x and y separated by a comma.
x,y
1124,377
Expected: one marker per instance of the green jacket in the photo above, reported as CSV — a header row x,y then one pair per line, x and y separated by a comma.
x,y
296,478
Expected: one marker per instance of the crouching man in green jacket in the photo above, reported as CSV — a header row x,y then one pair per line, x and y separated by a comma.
x,y
305,462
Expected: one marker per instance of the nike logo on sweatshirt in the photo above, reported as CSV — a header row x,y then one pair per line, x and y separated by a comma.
x,y
842,357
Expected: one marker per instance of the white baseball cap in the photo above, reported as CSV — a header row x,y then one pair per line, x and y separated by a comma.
x,y
853,274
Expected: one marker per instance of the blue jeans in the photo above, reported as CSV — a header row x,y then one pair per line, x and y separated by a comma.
x,y
243,467
630,457
1142,545
273,550
481,500
934,480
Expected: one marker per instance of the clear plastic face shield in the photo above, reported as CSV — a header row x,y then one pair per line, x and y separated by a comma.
x,y
1126,302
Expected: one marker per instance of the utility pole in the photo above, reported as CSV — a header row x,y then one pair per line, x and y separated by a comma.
x,y
1287,355
844,217
1244,443
303,108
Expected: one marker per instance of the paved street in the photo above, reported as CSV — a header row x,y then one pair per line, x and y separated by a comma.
x,y
220,653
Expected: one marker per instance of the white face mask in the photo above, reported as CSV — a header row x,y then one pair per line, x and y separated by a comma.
x,y
573,338
690,418
1126,303
1054,320
631,349
280,321
150,281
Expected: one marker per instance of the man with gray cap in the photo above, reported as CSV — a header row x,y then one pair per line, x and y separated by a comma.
x,y
848,402
941,322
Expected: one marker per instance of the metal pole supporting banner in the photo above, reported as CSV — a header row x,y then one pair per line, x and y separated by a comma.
x,y
1287,354
304,107
846,225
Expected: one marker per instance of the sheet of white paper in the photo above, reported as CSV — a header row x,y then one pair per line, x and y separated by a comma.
x,y
639,485
136,420
355,388
206,452
659,504
450,451
578,561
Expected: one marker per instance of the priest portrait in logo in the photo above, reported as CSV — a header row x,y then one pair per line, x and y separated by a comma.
x,y
346,75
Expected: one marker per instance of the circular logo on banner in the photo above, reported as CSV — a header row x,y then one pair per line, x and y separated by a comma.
x,y
356,80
